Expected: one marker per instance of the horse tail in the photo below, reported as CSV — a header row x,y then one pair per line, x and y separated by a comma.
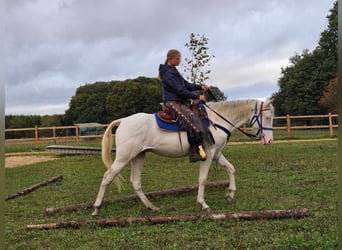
x,y
107,143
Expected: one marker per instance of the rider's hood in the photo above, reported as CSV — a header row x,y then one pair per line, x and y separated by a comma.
x,y
163,68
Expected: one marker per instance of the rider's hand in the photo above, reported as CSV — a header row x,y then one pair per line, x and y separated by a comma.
x,y
202,98
205,87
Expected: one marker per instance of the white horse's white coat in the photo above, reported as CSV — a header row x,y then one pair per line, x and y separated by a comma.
x,y
139,133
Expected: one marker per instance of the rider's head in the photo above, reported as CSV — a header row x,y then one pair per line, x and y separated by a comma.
x,y
173,57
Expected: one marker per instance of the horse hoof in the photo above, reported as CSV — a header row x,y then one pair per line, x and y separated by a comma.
x,y
96,213
207,210
229,199
155,209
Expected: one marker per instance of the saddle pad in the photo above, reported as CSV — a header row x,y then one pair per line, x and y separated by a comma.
x,y
174,126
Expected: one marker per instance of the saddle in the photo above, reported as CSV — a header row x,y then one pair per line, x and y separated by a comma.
x,y
166,115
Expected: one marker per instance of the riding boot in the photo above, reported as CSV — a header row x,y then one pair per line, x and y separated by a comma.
x,y
194,154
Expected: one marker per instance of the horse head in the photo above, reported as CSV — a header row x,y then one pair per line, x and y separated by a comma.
x,y
262,121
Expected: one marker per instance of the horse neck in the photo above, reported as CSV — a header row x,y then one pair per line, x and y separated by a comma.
x,y
237,112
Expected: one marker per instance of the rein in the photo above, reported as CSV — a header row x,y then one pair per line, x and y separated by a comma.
x,y
245,133
254,119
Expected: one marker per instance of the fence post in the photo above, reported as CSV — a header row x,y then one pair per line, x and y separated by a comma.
x,y
54,134
244,128
36,135
288,125
331,125
77,136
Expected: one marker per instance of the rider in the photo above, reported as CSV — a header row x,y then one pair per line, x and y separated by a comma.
x,y
176,94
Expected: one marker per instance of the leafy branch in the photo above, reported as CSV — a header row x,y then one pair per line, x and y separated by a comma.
x,y
199,62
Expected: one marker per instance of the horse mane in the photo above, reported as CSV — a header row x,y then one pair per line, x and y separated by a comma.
x,y
234,108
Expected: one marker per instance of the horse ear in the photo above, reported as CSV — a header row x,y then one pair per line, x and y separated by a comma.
x,y
269,101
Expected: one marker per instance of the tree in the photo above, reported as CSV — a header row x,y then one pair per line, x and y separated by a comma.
x,y
105,101
329,99
199,62
21,121
303,81
88,104
51,120
300,86
328,41
217,93
133,96
197,66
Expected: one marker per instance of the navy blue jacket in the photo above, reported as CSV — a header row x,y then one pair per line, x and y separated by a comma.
x,y
175,87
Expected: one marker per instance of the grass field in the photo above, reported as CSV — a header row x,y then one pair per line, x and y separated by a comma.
x,y
281,176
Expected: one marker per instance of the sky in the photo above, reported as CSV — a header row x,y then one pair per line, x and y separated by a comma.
x,y
53,47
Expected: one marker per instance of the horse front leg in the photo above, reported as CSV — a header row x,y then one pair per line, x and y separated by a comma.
x,y
202,180
231,173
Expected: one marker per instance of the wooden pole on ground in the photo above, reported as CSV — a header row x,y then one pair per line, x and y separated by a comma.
x,y
245,215
186,189
34,187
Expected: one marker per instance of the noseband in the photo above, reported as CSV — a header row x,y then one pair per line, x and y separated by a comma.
x,y
257,118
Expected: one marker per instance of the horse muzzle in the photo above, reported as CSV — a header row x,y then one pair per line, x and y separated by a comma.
x,y
266,140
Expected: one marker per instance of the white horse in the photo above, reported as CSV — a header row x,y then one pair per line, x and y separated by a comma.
x,y
139,133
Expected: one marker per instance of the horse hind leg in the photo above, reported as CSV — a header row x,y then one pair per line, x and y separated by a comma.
x,y
107,179
137,165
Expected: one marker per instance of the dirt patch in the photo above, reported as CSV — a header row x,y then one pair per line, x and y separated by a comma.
x,y
18,161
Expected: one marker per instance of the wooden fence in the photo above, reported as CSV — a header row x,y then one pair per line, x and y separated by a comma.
x,y
328,122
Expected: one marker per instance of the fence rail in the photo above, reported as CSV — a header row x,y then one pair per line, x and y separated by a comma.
x,y
329,121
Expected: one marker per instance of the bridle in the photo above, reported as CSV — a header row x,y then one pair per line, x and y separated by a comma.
x,y
255,119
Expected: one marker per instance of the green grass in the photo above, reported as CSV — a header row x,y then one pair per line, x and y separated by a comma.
x,y
298,134
281,176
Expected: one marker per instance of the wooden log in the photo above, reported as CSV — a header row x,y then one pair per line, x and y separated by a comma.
x,y
263,214
34,187
186,189
245,215
74,149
